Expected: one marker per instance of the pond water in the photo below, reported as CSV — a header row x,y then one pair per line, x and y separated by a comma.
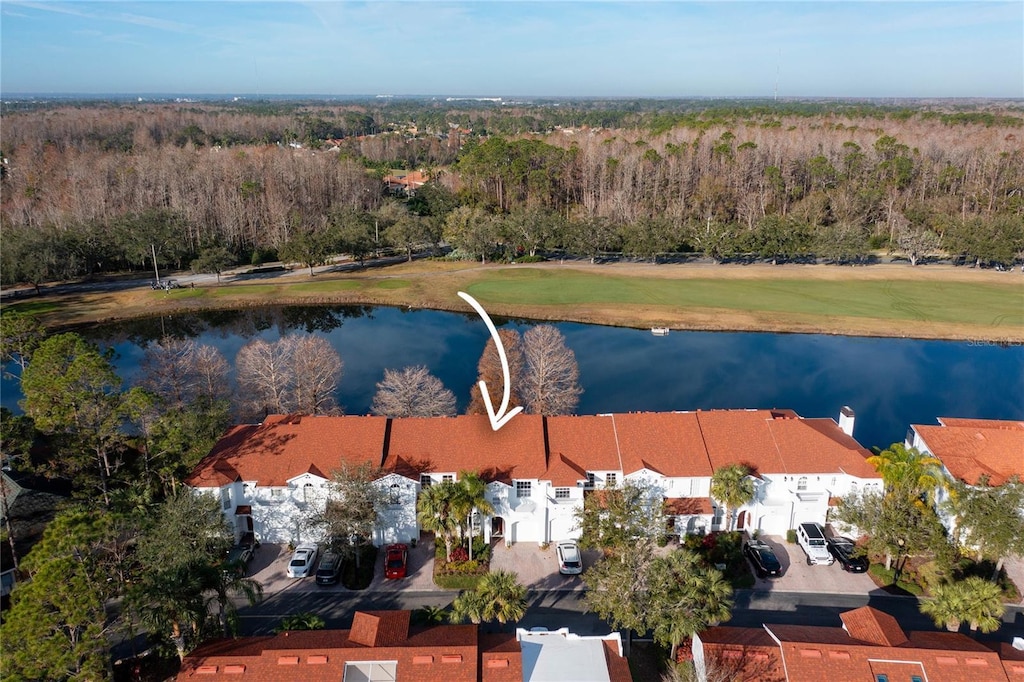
x,y
890,383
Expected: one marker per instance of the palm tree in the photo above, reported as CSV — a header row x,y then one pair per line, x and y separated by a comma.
x,y
233,581
947,607
430,614
435,512
471,495
301,621
984,604
731,485
907,469
498,596
172,602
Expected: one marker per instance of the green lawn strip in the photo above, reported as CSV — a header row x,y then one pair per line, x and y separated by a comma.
x,y
247,290
32,307
178,294
982,304
393,284
325,286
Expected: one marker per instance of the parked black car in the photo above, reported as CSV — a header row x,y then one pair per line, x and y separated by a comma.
x,y
239,556
330,567
847,554
763,558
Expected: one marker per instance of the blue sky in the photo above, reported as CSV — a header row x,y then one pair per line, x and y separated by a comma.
x,y
496,48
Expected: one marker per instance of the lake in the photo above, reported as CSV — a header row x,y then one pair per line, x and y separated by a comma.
x,y
890,383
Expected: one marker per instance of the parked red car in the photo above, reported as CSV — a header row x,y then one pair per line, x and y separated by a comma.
x,y
396,561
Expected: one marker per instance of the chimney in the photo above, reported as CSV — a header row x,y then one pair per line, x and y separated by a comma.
x,y
846,419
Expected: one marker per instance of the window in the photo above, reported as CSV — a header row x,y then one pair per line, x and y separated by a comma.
x,y
371,671
590,479
609,480
275,493
307,492
916,678
833,484
246,491
561,493
523,488
225,498
853,487
881,678
448,478
425,480
801,483
395,495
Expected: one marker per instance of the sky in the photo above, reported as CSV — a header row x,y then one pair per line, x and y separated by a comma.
x,y
498,48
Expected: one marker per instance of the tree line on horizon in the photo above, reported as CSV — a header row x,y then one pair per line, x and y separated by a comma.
x,y
97,190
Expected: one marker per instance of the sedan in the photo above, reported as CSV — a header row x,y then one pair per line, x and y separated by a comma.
x,y
763,558
302,561
569,560
847,554
330,567
396,561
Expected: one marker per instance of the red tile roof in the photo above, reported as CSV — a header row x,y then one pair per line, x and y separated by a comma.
x,y
688,506
669,443
437,653
468,443
972,448
283,447
871,644
873,626
585,439
674,444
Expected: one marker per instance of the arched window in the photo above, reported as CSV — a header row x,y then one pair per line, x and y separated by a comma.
x,y
801,483
307,492
395,495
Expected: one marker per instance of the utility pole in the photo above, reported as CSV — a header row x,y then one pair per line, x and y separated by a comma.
x,y
156,270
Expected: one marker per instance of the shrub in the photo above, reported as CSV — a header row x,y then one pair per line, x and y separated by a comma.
x,y
459,554
791,536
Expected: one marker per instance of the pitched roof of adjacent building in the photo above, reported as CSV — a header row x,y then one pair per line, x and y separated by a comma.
x,y
669,443
870,644
283,447
558,449
468,443
972,448
440,653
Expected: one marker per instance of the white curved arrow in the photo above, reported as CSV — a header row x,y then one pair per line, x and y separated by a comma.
x,y
499,418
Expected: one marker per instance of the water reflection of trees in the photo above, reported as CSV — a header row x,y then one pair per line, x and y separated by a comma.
x,y
245,323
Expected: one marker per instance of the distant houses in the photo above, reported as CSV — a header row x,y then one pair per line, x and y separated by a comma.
x,y
270,477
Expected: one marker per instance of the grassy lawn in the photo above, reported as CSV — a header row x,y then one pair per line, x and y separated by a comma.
x,y
885,300
325,286
897,300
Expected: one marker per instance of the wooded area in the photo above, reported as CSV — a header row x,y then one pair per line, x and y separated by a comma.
x,y
89,188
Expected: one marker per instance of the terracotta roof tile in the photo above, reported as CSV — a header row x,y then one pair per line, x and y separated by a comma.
x,y
688,506
380,628
589,439
972,448
669,443
741,437
468,443
283,447
873,626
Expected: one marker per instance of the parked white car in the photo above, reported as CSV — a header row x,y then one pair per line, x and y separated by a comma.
x,y
570,561
302,561
811,537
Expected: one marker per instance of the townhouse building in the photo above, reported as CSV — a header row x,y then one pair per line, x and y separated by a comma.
x,y
870,646
270,476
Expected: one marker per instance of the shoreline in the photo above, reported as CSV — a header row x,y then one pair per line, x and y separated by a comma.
x,y
431,285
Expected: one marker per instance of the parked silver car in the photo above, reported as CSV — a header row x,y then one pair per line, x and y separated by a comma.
x,y
302,561
570,561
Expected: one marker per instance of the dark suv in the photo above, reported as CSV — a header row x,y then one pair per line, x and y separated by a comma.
x,y
330,567
849,556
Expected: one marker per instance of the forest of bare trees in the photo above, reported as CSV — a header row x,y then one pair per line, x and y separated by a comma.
x,y
95,188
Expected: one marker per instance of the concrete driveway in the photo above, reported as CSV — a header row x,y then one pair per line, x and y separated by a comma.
x,y
538,568
797,576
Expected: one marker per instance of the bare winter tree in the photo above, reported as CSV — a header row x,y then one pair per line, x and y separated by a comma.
x,y
212,370
315,372
264,378
550,383
169,370
489,369
412,392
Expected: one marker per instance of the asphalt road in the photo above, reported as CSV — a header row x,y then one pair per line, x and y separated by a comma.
x,y
554,609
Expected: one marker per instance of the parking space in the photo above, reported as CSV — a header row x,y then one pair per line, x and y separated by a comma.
x,y
538,567
419,570
797,576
